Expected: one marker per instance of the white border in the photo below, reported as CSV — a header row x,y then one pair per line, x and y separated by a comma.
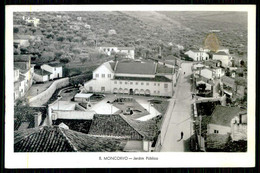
x,y
167,159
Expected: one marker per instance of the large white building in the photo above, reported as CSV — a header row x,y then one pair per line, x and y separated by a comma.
x,y
197,55
132,78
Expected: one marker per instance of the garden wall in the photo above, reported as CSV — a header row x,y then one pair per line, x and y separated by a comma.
x,y
43,97
75,115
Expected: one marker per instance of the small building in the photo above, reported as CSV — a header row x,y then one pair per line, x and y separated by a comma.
x,y
139,135
226,59
22,40
87,26
54,69
112,32
41,75
239,127
197,55
221,120
33,21
26,71
109,50
79,18
228,85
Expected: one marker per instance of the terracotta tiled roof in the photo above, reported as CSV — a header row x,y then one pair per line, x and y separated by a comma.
x,y
155,79
135,68
222,115
58,139
220,53
228,81
120,126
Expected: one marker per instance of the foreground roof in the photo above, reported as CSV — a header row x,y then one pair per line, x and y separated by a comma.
x,y
41,72
135,68
120,126
220,53
58,139
222,115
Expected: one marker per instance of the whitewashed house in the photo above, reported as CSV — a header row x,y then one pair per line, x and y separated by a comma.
x,y
226,59
130,78
34,21
41,75
54,69
19,83
221,120
239,127
197,55
109,50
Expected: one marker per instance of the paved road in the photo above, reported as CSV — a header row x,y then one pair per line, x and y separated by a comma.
x,y
180,117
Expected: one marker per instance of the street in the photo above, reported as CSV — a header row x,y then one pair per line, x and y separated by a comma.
x,y
180,116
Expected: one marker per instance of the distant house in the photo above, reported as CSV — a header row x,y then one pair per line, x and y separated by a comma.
x,y
41,75
112,32
239,127
79,18
214,65
226,59
139,135
197,55
109,50
34,21
22,40
54,69
59,139
87,26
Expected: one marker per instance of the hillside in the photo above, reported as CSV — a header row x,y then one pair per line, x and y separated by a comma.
x,y
66,39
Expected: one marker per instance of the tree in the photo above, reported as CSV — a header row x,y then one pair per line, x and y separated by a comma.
x,y
58,54
47,56
60,38
64,60
16,30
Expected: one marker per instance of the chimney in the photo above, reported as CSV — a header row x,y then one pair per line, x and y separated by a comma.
x,y
37,119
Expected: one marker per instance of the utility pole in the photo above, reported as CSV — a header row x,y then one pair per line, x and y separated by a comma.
x,y
200,130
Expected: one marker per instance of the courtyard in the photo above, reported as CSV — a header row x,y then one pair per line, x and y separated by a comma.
x,y
136,107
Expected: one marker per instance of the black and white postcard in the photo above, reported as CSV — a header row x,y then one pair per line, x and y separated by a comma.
x,y
130,86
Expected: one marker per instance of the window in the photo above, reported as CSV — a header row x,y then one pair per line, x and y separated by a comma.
x,y
166,85
103,75
158,92
108,49
131,83
215,131
90,88
120,82
97,75
109,75
142,83
154,84
136,83
158,84
125,82
154,92
115,82
102,89
147,83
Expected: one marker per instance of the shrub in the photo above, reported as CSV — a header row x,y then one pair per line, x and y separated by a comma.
x,y
64,60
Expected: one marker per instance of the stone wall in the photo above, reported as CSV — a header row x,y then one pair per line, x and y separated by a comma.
x,y
75,115
43,97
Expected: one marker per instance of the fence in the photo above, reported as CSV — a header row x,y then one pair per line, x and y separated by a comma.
x,y
43,97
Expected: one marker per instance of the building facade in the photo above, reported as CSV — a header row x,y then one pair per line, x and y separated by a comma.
x,y
197,55
130,78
